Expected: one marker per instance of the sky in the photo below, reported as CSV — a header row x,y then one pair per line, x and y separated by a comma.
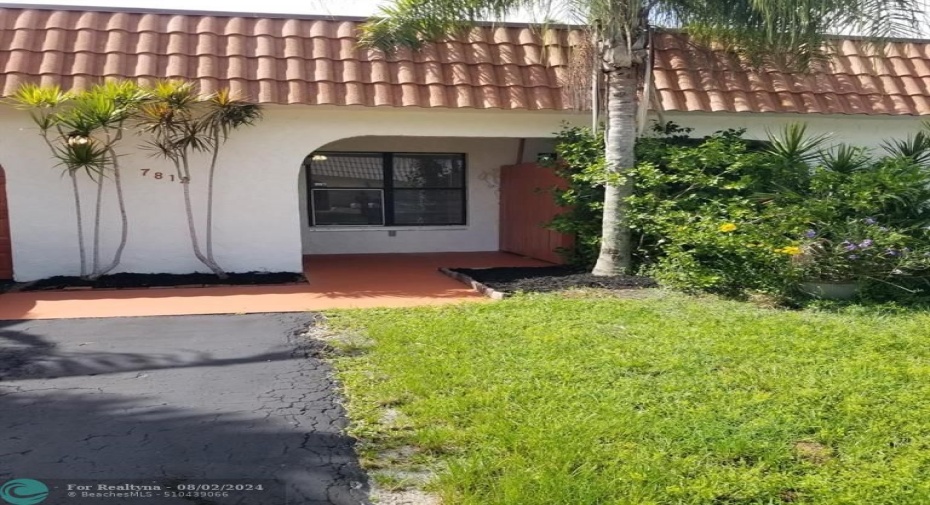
x,y
330,7
326,7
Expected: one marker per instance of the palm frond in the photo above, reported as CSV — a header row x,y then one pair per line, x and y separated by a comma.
x,y
225,113
83,153
845,159
410,23
792,146
915,147
159,148
789,34
41,102
32,96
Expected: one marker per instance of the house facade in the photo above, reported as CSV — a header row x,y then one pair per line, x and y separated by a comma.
x,y
360,152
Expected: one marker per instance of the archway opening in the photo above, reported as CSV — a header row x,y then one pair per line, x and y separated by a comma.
x,y
406,194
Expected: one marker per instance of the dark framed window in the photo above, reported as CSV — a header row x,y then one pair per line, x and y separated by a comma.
x,y
386,189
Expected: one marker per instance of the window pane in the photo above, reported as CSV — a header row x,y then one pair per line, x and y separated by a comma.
x,y
429,171
348,207
424,207
334,170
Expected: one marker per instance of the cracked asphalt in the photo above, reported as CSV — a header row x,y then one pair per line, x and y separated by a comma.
x,y
172,399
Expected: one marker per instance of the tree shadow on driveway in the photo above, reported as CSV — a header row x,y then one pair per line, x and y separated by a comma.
x,y
28,356
239,398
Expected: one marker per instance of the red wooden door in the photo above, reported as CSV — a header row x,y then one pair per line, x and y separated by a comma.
x,y
527,205
6,246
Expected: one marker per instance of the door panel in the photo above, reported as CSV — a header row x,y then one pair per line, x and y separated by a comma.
x,y
6,246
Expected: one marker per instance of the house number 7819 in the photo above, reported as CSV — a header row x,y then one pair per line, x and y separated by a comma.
x,y
158,176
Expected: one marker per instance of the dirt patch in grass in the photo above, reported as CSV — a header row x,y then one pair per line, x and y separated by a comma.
x,y
813,452
548,279
405,497
136,281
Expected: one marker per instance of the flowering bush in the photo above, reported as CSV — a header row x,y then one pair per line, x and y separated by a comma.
x,y
709,254
728,215
698,220
861,249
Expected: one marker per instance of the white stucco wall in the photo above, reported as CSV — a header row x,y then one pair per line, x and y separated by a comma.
x,y
259,209
861,130
483,159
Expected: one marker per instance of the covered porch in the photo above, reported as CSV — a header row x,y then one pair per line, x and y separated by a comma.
x,y
334,282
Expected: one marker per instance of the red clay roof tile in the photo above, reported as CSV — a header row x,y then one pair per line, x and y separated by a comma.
x,y
859,78
318,61
276,60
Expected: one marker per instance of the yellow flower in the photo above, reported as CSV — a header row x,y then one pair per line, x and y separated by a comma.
x,y
727,227
789,250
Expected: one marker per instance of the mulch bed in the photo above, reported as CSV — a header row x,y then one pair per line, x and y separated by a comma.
x,y
137,281
547,279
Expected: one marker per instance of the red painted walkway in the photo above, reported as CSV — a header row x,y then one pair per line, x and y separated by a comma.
x,y
335,282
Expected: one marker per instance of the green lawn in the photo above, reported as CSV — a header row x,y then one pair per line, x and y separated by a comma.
x,y
663,400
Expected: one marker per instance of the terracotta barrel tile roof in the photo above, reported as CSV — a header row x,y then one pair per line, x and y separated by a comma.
x,y
857,79
279,60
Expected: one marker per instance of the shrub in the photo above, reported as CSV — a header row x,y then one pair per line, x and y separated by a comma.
x,y
580,161
700,221
728,215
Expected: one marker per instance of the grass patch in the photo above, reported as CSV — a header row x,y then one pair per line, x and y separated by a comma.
x,y
668,400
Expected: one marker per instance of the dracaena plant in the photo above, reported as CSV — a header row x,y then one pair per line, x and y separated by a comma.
x,y
760,32
83,131
179,122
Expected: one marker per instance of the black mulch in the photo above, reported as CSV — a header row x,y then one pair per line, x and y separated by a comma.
x,y
545,279
124,281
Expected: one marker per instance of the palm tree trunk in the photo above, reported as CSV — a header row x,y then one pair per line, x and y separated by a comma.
x,y
616,246
124,221
192,228
209,237
98,208
80,223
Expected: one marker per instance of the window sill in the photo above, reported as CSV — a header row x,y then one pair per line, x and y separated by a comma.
x,y
455,227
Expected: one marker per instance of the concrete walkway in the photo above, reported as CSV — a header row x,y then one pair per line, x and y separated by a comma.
x,y
175,398
343,281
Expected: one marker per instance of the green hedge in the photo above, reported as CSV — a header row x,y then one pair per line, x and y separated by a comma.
x,y
728,215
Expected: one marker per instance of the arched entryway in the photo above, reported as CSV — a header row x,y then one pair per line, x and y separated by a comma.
x,y
406,194
6,246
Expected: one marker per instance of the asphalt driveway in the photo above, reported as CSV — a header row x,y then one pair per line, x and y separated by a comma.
x,y
171,399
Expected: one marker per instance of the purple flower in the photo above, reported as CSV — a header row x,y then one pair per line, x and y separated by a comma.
x,y
869,220
810,233
867,243
891,252
849,246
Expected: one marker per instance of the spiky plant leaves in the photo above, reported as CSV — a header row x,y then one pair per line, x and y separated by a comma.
x,y
915,147
81,153
792,146
225,113
845,159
